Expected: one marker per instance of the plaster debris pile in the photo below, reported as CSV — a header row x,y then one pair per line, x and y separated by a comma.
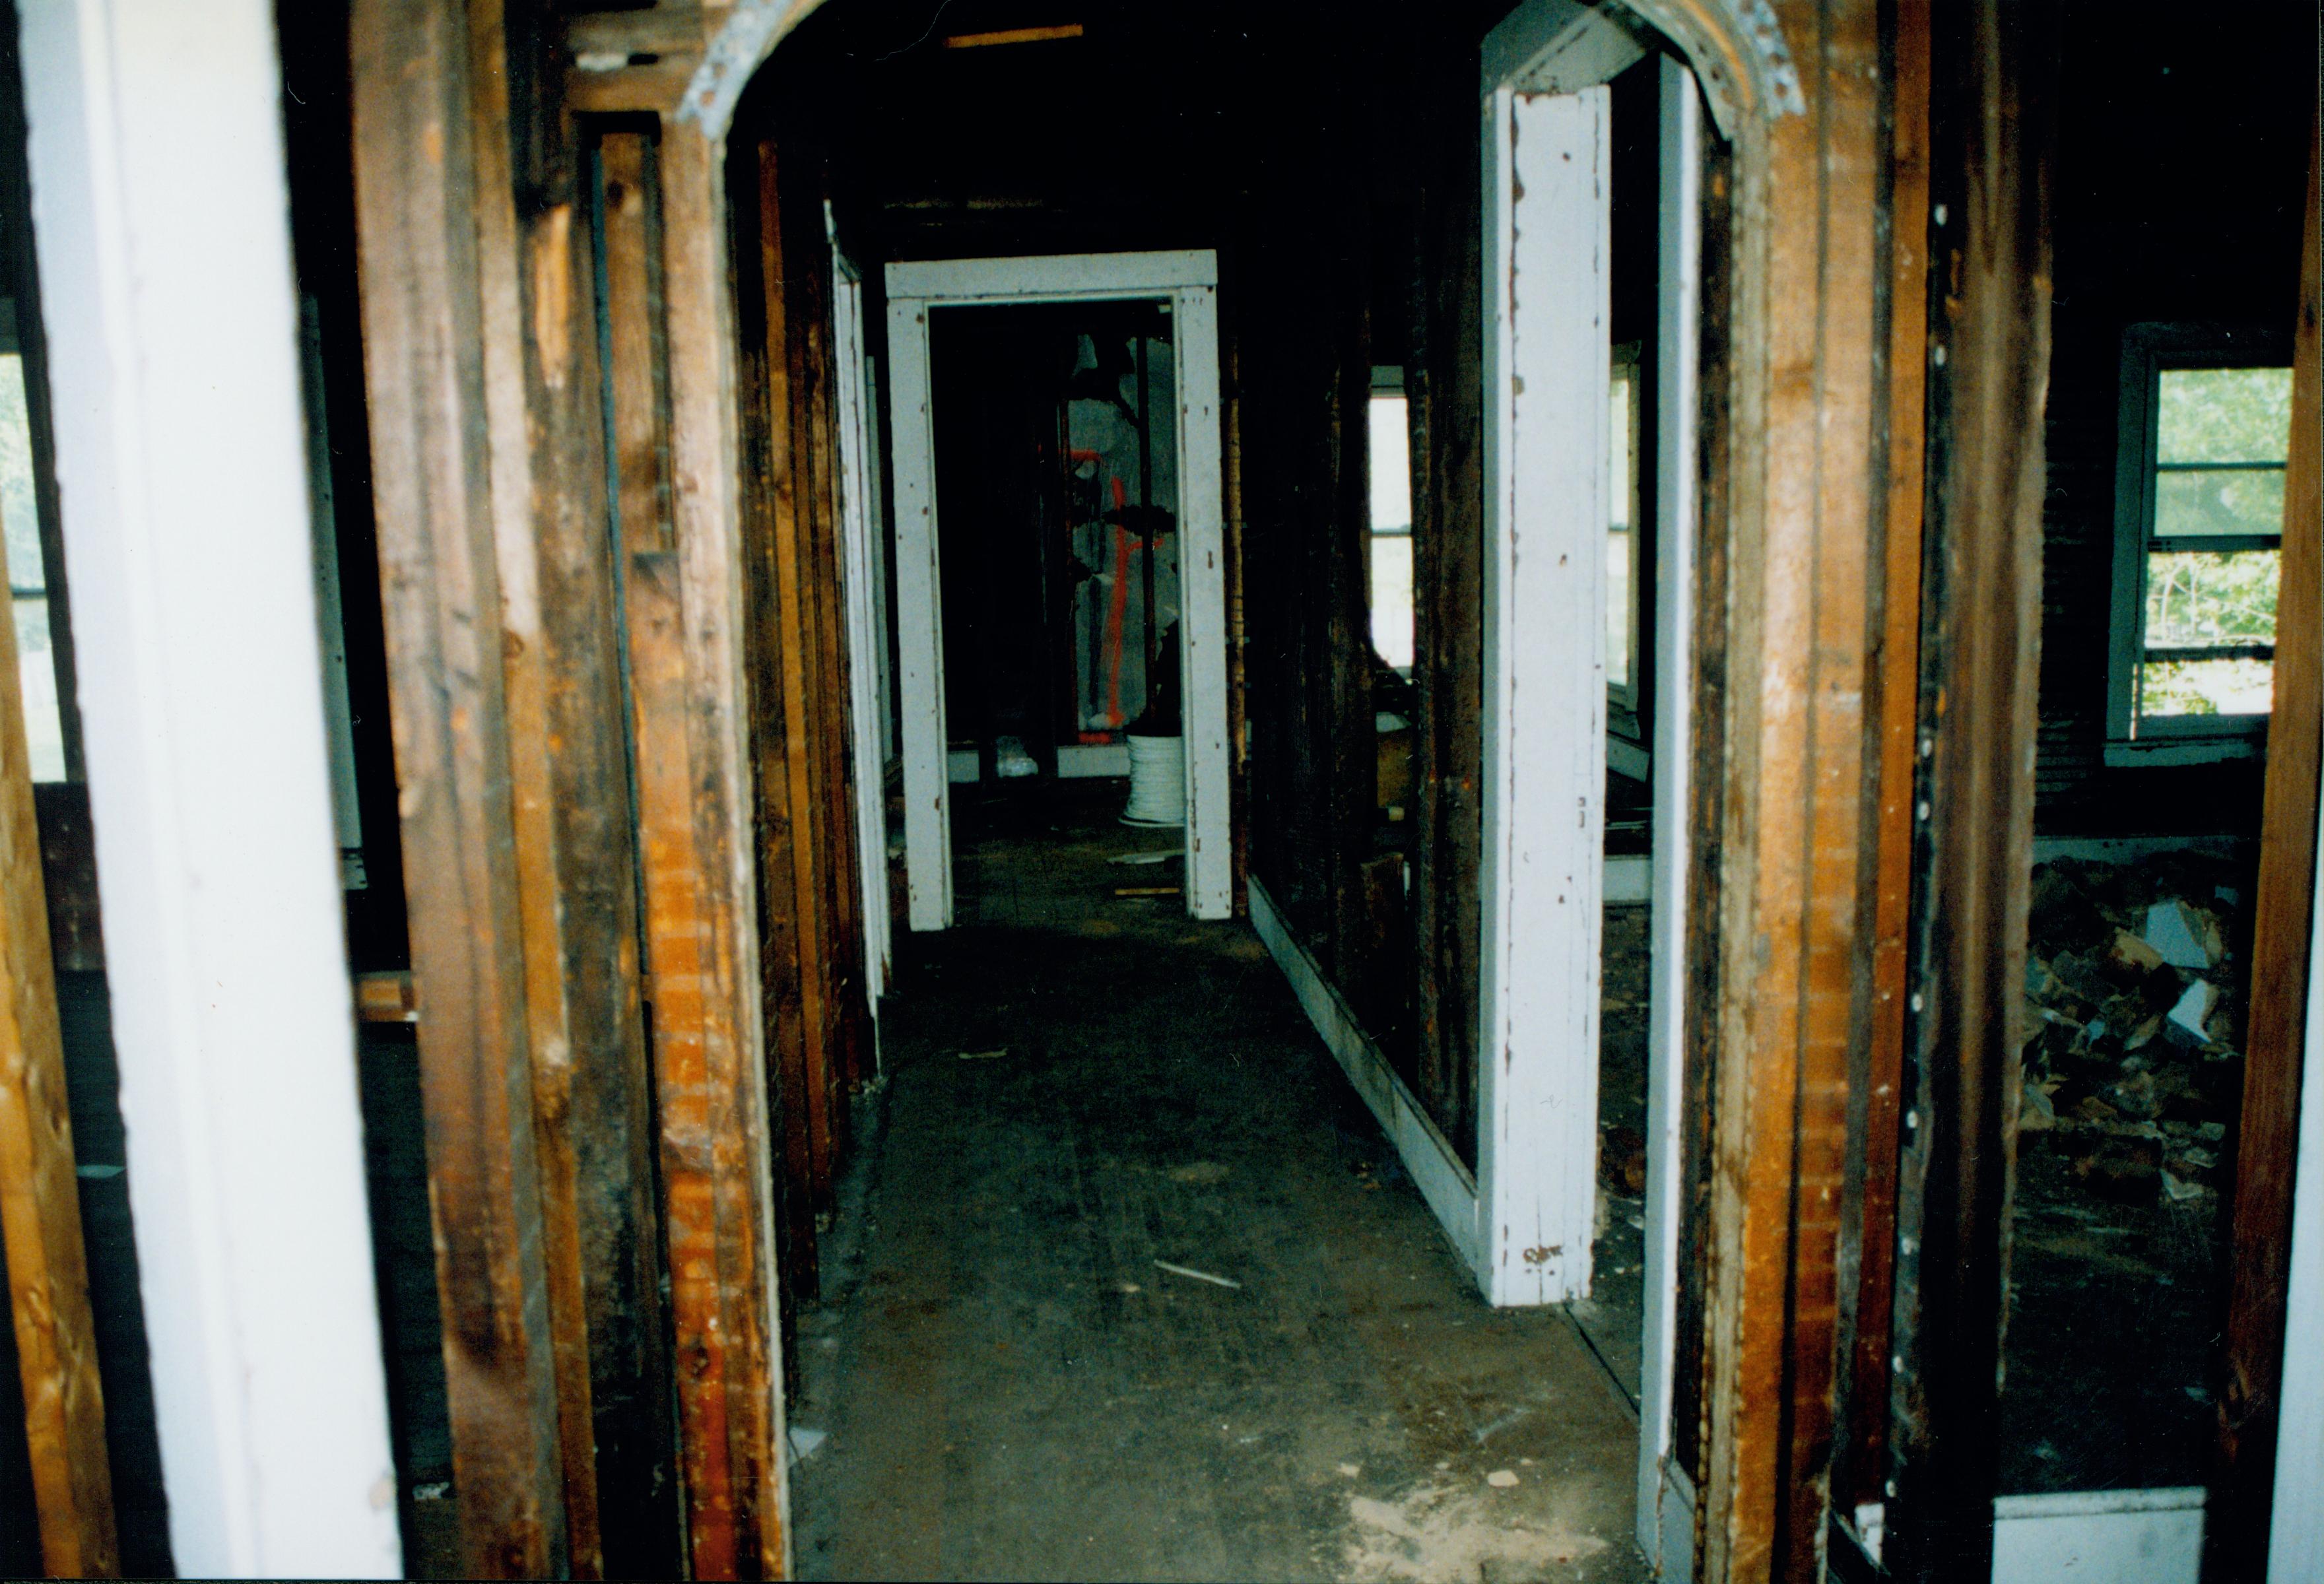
x,y
2132,1021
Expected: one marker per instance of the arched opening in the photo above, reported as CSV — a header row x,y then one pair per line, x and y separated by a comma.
x,y
1080,1095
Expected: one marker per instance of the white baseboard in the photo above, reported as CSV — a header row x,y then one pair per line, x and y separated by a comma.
x,y
2099,1537
2073,1537
1444,1182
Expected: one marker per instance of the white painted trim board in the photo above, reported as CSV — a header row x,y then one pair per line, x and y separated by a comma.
x,y
1186,281
2296,1528
859,551
162,225
1053,277
1679,273
1444,1182
1546,174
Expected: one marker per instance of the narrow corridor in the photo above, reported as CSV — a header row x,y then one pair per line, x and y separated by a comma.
x,y
1004,1379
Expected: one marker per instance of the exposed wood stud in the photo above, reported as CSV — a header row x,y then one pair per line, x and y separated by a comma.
x,y
1870,1201
527,682
1981,580
1801,630
40,1195
424,323
2268,1136
681,558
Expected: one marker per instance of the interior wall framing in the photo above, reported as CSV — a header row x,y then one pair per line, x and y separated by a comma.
x,y
1794,487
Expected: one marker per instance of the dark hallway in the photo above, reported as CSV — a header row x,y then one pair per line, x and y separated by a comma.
x,y
1004,1380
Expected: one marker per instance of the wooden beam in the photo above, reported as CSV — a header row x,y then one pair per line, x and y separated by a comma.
x,y
40,1195
1805,496
794,649
593,1079
1870,1203
425,322
528,681
2283,917
664,222
1989,358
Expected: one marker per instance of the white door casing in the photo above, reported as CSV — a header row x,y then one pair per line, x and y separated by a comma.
x,y
1188,283
861,594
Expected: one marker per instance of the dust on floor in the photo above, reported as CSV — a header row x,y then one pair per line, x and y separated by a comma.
x,y
1137,1290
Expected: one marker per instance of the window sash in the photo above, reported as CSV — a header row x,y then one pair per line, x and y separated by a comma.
x,y
2149,351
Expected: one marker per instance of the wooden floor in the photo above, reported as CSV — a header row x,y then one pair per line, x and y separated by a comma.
x,y
1003,1380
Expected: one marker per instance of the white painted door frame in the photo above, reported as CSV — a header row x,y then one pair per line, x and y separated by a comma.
x,y
1666,1525
862,565
1523,1221
1548,206
1188,283
162,218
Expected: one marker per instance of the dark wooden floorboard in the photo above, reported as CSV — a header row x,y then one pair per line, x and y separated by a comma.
x,y
1005,1383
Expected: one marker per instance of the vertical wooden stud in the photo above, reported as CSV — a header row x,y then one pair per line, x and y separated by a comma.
x,y
1989,360
2267,1141
424,323
40,1197
681,555
1802,497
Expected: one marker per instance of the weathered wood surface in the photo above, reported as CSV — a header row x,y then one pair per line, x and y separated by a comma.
x,y
681,559
1989,360
1707,793
2267,1140
532,792
425,321
1444,395
1870,1204
40,1194
787,746
1802,505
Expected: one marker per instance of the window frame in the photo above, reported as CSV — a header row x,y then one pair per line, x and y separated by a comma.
x,y
1627,714
2148,351
1389,379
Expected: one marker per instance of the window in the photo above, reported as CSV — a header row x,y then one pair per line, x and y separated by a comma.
x,y
28,588
1387,551
2206,424
1622,561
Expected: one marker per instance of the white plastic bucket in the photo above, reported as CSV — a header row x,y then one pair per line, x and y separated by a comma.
x,y
1158,782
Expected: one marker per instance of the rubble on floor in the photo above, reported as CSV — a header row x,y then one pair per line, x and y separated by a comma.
x,y
2132,1021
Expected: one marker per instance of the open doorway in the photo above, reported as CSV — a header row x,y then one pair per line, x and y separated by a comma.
x,y
1125,452
1060,586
